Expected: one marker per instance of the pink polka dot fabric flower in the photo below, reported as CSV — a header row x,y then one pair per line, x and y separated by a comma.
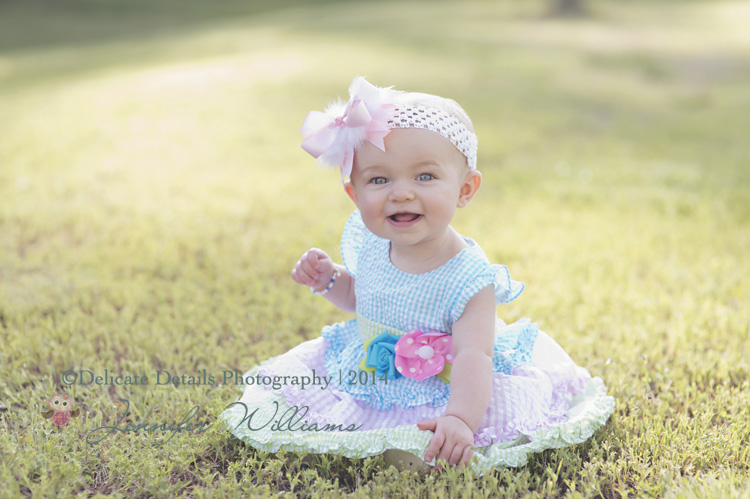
x,y
420,355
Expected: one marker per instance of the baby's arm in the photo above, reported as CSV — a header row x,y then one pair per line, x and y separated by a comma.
x,y
471,382
315,269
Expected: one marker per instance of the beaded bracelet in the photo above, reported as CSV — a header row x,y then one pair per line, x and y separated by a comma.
x,y
336,275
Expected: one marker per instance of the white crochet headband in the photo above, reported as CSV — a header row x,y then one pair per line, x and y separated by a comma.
x,y
334,136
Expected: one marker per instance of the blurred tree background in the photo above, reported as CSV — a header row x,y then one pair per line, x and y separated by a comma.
x,y
568,7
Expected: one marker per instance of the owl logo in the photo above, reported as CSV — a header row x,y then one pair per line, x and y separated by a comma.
x,y
61,405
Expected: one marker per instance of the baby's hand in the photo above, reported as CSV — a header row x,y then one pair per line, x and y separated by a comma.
x,y
314,269
453,438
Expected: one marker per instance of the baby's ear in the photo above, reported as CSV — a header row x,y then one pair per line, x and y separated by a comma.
x,y
349,188
472,183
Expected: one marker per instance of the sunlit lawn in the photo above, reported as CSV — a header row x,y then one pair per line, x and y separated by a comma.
x,y
154,198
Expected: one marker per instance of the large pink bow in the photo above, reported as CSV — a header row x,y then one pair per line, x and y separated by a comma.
x,y
335,138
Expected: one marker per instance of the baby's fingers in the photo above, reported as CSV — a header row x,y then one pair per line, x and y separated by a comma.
x,y
307,267
434,447
302,277
467,455
457,454
436,443
428,424
306,274
446,451
312,257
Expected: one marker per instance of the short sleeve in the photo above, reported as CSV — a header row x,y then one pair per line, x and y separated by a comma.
x,y
506,289
352,241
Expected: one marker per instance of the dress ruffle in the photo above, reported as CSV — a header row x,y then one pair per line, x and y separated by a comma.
x,y
513,345
567,407
506,289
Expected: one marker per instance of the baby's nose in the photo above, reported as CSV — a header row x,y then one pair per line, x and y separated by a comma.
x,y
401,192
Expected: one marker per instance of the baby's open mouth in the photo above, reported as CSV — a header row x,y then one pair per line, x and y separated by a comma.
x,y
404,217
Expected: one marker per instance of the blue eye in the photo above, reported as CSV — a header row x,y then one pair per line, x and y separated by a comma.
x,y
425,176
378,180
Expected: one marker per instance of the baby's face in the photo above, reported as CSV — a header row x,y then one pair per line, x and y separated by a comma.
x,y
409,193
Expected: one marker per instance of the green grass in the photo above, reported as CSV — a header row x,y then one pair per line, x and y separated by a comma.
x,y
154,198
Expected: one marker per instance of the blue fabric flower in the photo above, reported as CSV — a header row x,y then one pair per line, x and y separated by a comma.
x,y
381,355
